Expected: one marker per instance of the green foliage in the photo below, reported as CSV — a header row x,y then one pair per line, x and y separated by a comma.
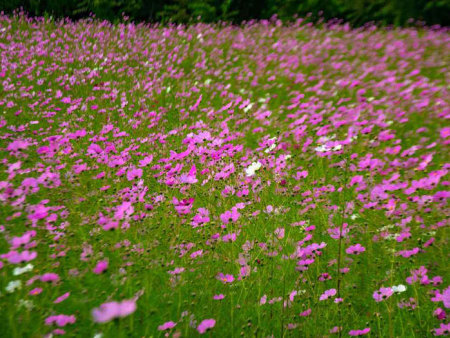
x,y
356,12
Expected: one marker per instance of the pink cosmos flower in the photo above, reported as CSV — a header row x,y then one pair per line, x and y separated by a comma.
x,y
184,206
15,257
327,294
335,233
49,277
35,291
359,332
60,320
61,298
355,249
263,300
279,232
108,311
100,267
133,174
167,326
305,313
176,271
230,216
440,314
206,325
382,294
336,329
446,297
443,330
225,278
218,297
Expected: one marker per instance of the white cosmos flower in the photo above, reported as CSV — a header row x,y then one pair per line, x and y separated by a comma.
x,y
19,270
249,106
272,147
322,148
399,288
250,171
13,285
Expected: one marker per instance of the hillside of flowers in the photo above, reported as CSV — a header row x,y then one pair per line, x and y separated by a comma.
x,y
262,180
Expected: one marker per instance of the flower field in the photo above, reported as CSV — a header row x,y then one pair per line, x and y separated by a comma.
x,y
262,180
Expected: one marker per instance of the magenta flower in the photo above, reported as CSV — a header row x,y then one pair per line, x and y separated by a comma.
x,y
49,277
230,216
336,233
226,278
15,257
442,330
446,297
133,174
327,294
305,313
206,325
100,267
218,297
184,206
355,249
61,298
382,294
336,329
108,311
440,314
167,326
35,291
60,320
359,332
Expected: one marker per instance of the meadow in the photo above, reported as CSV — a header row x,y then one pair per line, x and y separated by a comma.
x,y
261,180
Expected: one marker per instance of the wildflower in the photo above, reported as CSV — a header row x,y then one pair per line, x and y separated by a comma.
x,y
60,320
305,313
355,249
19,271
399,288
382,294
336,329
13,286
61,298
108,311
446,297
133,174
49,277
100,267
263,300
440,313
250,171
359,332
443,330
206,325
167,326
35,291
225,278
327,294
336,233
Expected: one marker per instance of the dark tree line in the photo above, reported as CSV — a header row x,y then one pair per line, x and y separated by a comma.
x,y
356,12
